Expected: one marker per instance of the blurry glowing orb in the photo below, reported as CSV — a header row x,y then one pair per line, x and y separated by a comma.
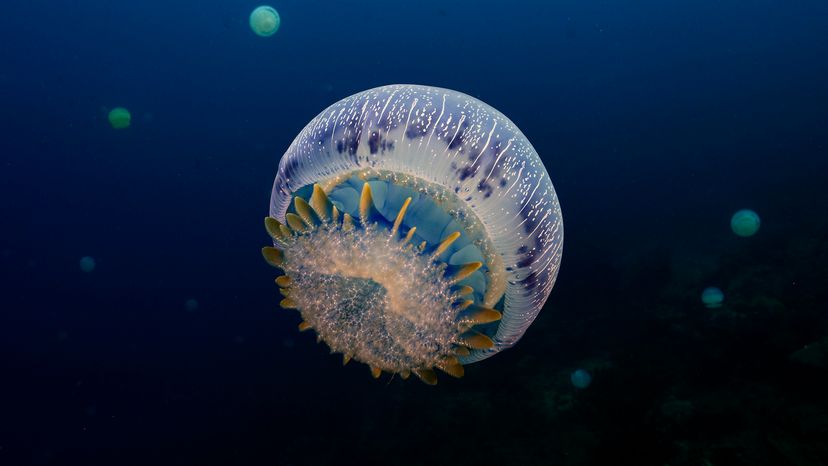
x,y
265,21
581,378
191,305
712,297
119,117
87,264
745,222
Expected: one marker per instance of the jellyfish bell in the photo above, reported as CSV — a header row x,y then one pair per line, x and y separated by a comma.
x,y
712,297
119,118
87,264
745,223
265,21
191,305
580,378
416,228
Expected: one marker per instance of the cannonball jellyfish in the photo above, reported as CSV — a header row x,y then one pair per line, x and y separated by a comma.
x,y
119,117
265,21
712,297
87,264
745,222
416,228
580,378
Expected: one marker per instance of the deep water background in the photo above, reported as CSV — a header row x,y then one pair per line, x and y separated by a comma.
x,y
656,121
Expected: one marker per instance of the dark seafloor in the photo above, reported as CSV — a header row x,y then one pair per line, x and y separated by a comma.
x,y
656,121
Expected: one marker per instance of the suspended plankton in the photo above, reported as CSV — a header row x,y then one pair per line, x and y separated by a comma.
x,y
416,228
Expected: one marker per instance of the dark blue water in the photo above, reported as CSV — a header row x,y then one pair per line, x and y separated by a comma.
x,y
656,121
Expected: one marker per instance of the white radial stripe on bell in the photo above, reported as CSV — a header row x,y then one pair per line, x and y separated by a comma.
x,y
462,144
434,127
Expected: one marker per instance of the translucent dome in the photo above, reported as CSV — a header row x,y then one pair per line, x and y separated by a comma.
x,y
745,223
119,118
487,173
265,21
